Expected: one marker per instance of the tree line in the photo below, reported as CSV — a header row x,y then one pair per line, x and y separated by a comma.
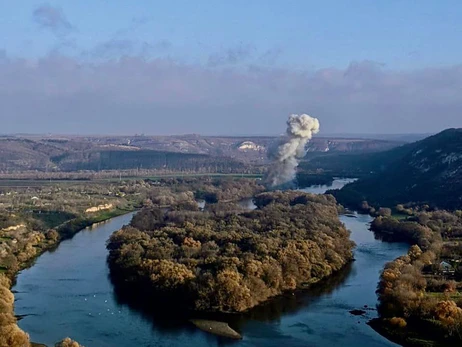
x,y
416,296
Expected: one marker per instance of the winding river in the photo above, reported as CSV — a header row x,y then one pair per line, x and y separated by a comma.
x,y
68,293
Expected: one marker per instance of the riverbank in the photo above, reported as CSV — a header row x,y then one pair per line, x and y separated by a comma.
x,y
66,231
70,228
405,337
419,293
65,283
309,179
11,333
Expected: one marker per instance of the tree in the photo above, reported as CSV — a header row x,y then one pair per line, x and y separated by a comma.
x,y
52,235
384,211
10,334
450,315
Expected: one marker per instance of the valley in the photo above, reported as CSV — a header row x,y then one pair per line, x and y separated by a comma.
x,y
208,262
94,312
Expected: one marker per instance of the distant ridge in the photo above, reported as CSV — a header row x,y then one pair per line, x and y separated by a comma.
x,y
387,137
70,153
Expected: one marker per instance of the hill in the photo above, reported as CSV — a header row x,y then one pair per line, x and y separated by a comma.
x,y
187,152
425,172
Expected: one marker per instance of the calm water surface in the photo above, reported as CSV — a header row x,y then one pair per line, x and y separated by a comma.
x,y
336,184
68,293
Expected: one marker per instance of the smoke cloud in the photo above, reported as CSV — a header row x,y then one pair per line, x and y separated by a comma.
x,y
300,129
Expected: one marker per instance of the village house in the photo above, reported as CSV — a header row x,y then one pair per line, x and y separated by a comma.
x,y
445,268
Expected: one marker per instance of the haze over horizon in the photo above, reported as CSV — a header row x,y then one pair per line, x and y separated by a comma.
x,y
406,137
220,68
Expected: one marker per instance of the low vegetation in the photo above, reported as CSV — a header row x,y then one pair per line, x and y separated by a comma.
x,y
68,342
228,261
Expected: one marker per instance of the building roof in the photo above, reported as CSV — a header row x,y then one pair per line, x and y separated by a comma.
x,y
445,265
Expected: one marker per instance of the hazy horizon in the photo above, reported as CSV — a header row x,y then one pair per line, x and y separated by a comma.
x,y
320,134
241,68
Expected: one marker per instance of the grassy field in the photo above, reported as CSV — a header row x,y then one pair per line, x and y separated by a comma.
x,y
20,183
52,219
444,296
399,216
8,183
205,175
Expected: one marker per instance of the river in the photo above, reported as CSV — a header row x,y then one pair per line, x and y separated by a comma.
x,y
67,292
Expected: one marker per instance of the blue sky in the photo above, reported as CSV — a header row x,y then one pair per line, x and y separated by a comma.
x,y
302,34
251,42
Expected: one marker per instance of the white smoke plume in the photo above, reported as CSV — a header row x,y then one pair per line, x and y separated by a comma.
x,y
300,129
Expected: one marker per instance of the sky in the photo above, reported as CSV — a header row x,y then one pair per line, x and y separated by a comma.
x,y
218,67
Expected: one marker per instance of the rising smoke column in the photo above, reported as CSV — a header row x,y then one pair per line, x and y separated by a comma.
x,y
300,129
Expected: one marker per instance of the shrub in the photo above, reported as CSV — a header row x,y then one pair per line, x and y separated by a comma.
x,y
67,342
398,322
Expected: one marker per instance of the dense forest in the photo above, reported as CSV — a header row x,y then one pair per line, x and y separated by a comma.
x,y
10,334
227,261
419,293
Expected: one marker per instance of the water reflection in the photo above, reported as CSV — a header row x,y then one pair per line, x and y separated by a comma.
x,y
167,318
291,303
338,183
164,318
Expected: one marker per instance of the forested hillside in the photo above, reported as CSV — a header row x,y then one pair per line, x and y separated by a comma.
x,y
425,172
